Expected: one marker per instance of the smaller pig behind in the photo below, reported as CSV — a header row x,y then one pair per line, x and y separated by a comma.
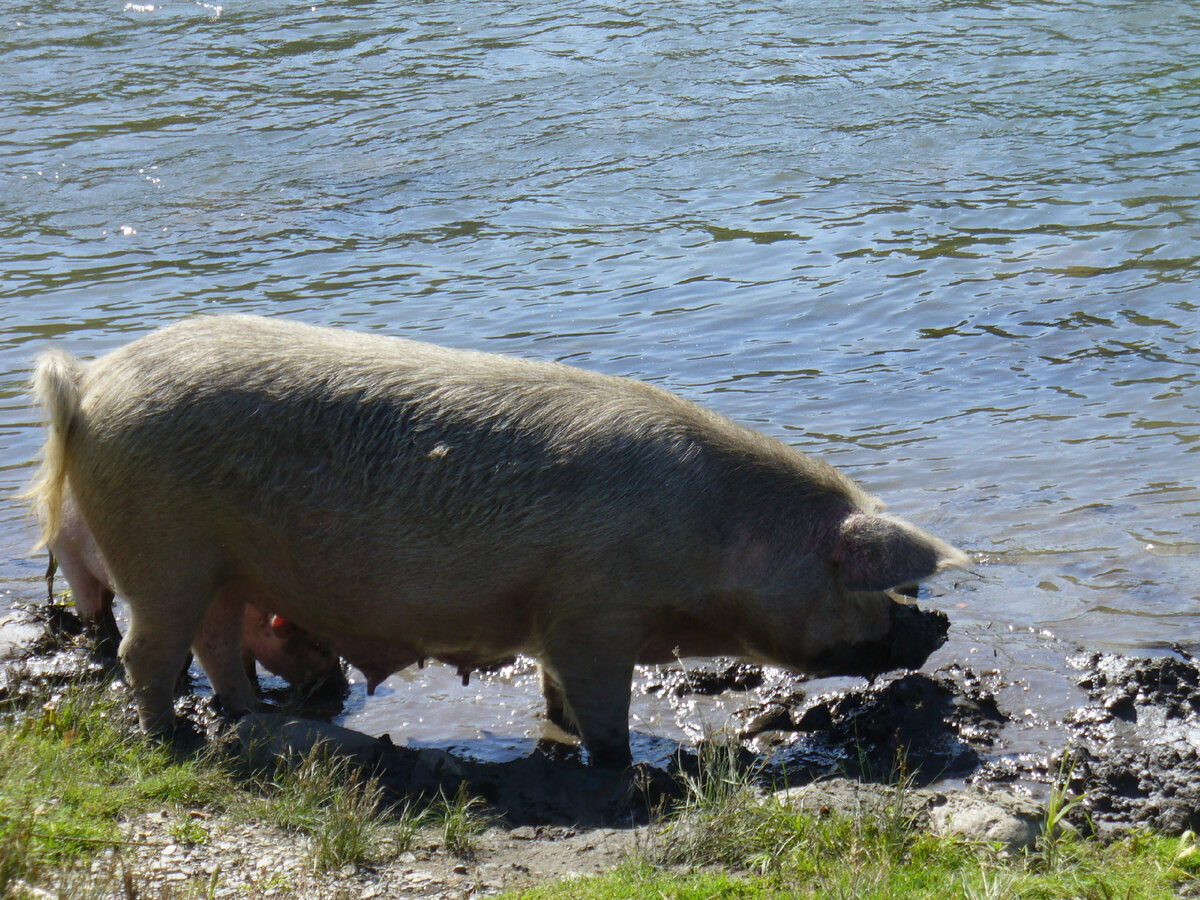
x,y
292,653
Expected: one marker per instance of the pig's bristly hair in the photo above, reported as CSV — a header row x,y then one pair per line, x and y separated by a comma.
x,y
56,380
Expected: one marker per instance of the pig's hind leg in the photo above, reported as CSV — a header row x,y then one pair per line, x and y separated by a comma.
x,y
156,648
153,651
174,601
93,601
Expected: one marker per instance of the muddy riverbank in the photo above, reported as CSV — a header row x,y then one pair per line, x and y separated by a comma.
x,y
1132,751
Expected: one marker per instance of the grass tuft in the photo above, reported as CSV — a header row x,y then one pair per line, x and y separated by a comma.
x,y
721,819
326,798
1057,836
461,820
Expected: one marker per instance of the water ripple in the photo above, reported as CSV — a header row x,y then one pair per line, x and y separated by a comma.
x,y
948,245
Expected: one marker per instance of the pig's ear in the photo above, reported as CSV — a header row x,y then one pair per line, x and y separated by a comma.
x,y
874,553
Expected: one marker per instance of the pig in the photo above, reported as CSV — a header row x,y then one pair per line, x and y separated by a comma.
x,y
280,646
406,500
74,551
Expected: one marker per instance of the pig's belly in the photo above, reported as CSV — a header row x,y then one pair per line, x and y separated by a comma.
x,y
381,628
377,658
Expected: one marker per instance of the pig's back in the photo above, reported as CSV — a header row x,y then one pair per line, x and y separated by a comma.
x,y
280,410
316,457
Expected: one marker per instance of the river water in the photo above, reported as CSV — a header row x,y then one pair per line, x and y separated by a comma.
x,y
950,247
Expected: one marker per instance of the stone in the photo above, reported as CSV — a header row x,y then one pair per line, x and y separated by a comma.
x,y
18,632
259,739
996,816
848,797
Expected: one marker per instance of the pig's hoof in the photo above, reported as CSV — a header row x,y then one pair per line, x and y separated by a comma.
x,y
229,712
560,720
181,740
610,757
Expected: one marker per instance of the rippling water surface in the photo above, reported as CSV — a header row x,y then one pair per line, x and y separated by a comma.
x,y
950,247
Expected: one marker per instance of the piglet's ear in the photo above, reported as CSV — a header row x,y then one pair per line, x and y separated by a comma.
x,y
874,553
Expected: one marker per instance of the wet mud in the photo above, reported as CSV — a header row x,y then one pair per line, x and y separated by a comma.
x,y
42,647
913,725
1135,749
1132,751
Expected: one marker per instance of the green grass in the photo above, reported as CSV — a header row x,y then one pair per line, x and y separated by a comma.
x,y
460,820
72,767
323,798
727,840
838,857
68,771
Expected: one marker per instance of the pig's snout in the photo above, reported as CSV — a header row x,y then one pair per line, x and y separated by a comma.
x,y
913,634
305,662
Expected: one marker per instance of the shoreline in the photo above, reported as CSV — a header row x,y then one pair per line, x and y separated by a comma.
x,y
1132,761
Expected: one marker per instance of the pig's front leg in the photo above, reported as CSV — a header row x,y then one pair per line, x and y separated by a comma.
x,y
591,674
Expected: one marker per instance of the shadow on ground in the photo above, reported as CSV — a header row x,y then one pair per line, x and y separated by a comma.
x,y
1134,753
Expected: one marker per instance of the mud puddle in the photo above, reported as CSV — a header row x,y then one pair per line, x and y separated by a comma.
x,y
1129,726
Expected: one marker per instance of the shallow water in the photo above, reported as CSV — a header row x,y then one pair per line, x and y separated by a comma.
x,y
949,247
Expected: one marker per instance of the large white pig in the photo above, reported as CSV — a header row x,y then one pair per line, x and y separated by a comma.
x,y
407,501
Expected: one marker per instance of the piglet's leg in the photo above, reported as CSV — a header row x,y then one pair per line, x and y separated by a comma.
x,y
218,649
